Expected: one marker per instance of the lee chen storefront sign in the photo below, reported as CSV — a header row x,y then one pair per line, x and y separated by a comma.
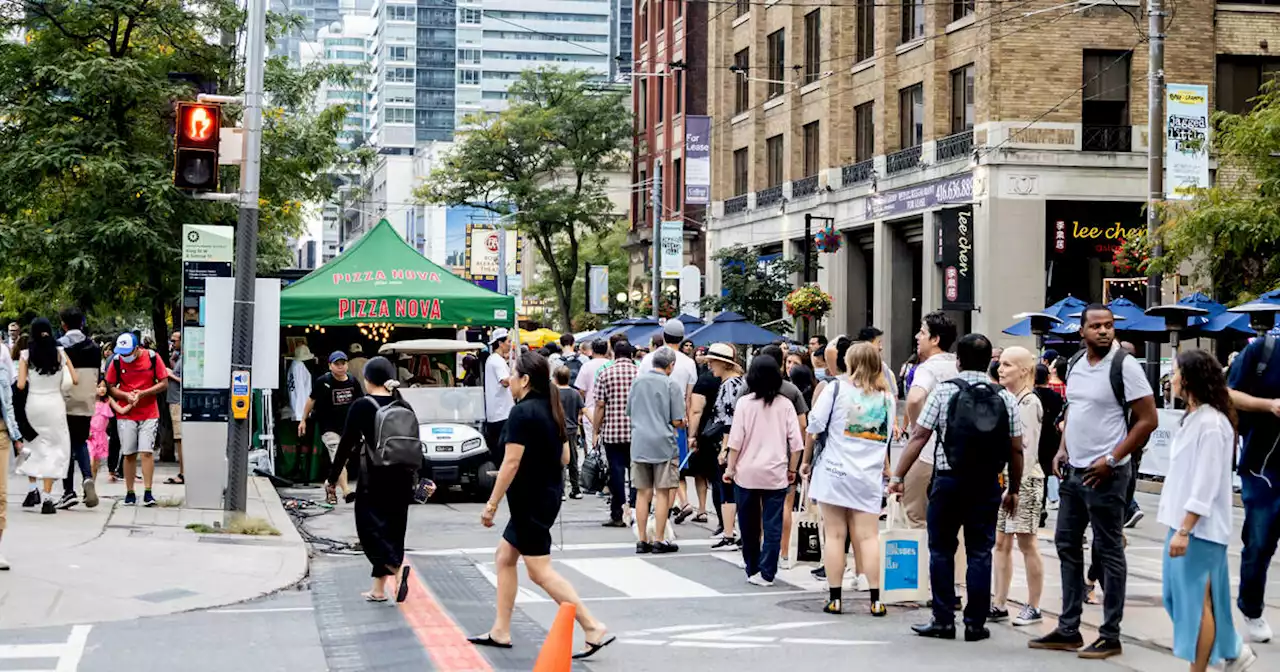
x,y
955,255
953,190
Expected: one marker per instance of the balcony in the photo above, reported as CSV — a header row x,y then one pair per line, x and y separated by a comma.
x,y
736,205
1107,138
769,196
902,161
857,173
954,147
805,186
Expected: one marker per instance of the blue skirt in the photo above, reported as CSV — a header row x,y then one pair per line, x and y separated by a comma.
x,y
1185,578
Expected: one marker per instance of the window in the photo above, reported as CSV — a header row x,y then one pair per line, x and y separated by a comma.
x,y
962,99
471,56
773,160
660,84
679,8
740,183
912,20
812,45
810,149
864,130
546,16
400,13
961,9
677,185
469,77
1240,78
911,116
777,58
642,99
399,54
677,81
400,75
1106,88
468,15
866,47
396,115
743,6
741,92
660,7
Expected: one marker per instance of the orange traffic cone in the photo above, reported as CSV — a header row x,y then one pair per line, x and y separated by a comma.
x,y
556,654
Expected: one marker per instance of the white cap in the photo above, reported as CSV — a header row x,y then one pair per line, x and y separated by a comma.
x,y
497,335
356,349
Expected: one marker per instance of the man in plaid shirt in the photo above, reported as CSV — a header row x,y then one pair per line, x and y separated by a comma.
x,y
611,391
962,498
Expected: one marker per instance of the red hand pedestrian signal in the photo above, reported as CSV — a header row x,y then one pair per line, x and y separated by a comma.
x,y
196,136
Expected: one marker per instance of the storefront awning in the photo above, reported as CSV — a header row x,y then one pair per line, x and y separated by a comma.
x,y
381,279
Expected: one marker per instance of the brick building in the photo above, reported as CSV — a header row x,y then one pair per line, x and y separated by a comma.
x,y
901,119
669,83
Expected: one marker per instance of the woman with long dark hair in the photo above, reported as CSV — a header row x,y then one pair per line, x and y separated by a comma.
x,y
383,493
1196,506
44,372
532,481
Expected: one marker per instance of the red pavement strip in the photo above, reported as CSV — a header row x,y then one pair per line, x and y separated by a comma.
x,y
440,635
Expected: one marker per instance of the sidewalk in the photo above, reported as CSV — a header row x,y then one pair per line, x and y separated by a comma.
x,y
117,563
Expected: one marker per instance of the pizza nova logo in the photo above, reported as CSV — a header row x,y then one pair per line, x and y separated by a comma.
x,y
376,308
381,276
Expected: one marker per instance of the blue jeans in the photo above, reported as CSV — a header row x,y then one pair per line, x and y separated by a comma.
x,y
619,456
956,503
757,507
1261,532
80,458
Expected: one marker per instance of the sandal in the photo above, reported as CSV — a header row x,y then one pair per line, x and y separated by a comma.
x,y
683,515
593,649
700,518
487,640
176,480
834,607
370,597
402,591
878,609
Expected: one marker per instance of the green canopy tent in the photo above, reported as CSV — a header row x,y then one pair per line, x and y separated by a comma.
x,y
382,279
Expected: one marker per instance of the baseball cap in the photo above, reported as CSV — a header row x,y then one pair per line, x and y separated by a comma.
x,y
126,343
497,335
1049,355
356,349
673,328
337,356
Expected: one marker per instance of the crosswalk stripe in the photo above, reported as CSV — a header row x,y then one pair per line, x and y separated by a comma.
x,y
523,595
635,577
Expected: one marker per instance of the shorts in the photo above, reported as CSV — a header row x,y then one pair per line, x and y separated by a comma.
x,y
331,441
662,475
175,414
1026,518
137,436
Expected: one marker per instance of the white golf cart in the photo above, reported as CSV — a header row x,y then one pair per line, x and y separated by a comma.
x,y
450,416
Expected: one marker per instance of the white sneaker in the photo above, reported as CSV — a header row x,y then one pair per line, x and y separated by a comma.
x,y
1242,662
785,563
1052,506
1258,629
757,580
861,584
4,564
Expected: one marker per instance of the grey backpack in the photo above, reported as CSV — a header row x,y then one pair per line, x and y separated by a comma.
x,y
396,440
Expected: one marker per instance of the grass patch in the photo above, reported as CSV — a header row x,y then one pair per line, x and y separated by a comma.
x,y
253,527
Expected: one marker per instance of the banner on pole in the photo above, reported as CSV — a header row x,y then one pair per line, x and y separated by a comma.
x,y
598,290
672,244
1186,150
955,233
697,160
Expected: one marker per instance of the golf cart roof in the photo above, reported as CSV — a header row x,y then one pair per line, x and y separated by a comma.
x,y
429,346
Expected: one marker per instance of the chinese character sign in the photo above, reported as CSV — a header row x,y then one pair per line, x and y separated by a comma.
x,y
1186,152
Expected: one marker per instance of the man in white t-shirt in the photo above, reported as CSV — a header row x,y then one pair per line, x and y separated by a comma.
x,y
497,398
937,364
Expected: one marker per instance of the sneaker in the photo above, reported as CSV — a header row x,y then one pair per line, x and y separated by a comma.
x,y
664,547
878,609
861,584
147,499
1028,616
90,493
726,544
575,495
1242,662
1057,641
819,572
643,547
1052,506
48,507
718,533
68,500
4,564
613,523
33,499
1134,517
997,615
1102,647
1258,629
785,563
130,498
757,580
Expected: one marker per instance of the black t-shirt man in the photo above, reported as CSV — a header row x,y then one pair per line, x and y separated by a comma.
x,y
333,398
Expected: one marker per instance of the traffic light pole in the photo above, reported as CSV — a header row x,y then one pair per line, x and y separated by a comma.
x,y
239,431
1155,171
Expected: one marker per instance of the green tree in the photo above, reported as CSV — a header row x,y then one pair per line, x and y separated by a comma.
x,y
541,164
595,248
752,289
1230,233
88,212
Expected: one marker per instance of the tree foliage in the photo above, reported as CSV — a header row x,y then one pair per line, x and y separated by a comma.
x,y
1230,234
88,212
595,248
750,288
541,162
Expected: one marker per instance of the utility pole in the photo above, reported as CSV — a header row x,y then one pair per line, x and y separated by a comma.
x,y
1155,168
657,235
246,268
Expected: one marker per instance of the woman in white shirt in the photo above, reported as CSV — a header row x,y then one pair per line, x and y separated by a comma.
x,y
1196,505
857,415
1017,374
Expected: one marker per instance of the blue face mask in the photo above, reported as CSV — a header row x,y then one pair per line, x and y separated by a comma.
x,y
128,359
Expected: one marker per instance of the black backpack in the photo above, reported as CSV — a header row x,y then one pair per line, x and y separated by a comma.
x,y
397,442
1050,437
976,439
574,364
1117,387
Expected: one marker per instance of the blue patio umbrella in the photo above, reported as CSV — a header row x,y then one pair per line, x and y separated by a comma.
x,y
1238,323
638,327
1062,310
730,327
1199,300
691,324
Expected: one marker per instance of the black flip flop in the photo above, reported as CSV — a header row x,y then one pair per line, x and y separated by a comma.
x,y
487,640
402,591
592,649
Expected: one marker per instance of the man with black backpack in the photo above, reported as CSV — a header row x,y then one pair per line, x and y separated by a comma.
x,y
1110,414
979,433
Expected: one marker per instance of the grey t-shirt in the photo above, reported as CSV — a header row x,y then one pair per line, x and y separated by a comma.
x,y
793,394
571,403
174,394
654,403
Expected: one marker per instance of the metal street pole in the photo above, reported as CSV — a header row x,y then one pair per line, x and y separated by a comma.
x,y
1155,168
808,242
657,233
239,431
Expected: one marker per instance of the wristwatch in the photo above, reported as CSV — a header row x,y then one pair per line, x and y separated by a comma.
x,y
1111,461
1184,532
895,480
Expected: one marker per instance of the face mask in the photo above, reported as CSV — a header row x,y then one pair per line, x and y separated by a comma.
x,y
128,359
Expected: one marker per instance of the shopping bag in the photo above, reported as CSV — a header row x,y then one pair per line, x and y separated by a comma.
x,y
808,532
595,473
904,559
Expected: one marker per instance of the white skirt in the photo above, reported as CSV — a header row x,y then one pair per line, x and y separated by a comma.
x,y
50,452
850,474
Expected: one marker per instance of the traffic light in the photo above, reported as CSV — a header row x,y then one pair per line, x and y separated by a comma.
x,y
195,141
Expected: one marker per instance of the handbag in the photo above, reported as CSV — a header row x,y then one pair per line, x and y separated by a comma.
x,y
820,441
713,432
904,559
595,472
808,532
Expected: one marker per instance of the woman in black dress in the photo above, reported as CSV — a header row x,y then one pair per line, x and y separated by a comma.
x,y
531,478
383,494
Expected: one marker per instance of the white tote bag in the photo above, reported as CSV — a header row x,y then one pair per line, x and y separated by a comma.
x,y
904,559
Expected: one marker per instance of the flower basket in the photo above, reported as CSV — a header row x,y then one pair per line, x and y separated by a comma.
x,y
808,302
827,240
